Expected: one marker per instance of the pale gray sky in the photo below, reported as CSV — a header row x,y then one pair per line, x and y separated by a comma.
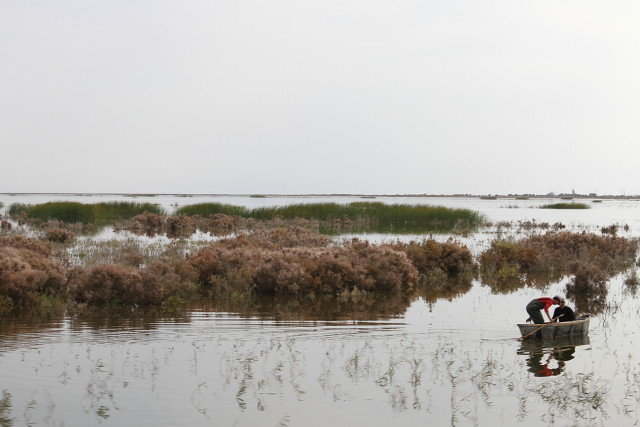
x,y
319,96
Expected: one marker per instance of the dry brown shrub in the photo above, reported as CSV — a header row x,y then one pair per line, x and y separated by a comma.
x,y
5,225
59,235
180,226
588,288
113,284
451,258
27,270
22,242
106,284
302,270
541,259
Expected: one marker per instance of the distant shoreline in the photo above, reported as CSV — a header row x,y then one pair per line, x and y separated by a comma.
x,y
455,196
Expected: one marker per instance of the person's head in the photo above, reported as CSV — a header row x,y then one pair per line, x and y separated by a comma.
x,y
558,300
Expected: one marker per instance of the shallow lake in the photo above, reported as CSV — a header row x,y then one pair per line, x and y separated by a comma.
x,y
450,361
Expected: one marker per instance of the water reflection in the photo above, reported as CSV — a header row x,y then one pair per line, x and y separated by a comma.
x,y
546,358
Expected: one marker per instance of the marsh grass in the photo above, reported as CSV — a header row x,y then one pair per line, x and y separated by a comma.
x,y
597,201
206,209
372,216
488,197
565,206
258,196
74,212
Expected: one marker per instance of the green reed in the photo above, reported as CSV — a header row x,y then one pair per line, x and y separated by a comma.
x,y
72,212
206,209
566,206
370,216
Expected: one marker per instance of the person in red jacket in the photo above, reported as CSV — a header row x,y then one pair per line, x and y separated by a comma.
x,y
534,307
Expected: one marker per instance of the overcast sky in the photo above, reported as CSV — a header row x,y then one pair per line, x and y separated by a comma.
x,y
319,96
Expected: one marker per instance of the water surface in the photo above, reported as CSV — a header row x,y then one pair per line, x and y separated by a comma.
x,y
416,361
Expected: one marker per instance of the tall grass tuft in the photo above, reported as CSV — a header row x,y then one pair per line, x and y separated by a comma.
x,y
566,206
72,212
373,216
206,209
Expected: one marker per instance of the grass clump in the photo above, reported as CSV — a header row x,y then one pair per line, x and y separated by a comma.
x,y
75,212
488,197
373,216
565,206
206,209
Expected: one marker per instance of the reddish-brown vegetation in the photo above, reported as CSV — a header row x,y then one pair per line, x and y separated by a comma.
x,y
28,270
303,270
59,235
113,284
541,259
588,288
451,258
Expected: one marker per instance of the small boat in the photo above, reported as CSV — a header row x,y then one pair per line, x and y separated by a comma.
x,y
555,329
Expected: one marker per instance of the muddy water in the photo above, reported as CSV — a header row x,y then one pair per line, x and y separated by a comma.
x,y
449,361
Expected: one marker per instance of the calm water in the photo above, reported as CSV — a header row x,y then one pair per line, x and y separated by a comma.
x,y
442,362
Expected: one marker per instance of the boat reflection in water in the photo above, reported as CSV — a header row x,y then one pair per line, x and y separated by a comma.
x,y
548,357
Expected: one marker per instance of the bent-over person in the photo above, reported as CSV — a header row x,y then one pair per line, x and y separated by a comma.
x,y
543,303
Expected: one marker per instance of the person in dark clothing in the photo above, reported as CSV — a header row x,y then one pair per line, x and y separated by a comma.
x,y
565,311
534,307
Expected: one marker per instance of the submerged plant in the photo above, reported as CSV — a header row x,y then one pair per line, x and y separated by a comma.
x,y
5,409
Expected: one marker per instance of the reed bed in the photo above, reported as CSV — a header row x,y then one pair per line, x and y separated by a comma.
x,y
566,206
74,212
373,215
